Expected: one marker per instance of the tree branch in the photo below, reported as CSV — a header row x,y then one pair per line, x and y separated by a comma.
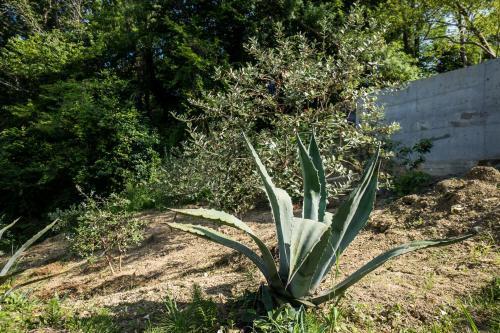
x,y
485,45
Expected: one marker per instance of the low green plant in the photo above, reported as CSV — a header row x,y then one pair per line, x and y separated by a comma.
x,y
412,181
412,157
408,178
282,320
19,314
286,319
308,246
101,226
198,316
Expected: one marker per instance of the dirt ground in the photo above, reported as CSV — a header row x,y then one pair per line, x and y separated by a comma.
x,y
409,291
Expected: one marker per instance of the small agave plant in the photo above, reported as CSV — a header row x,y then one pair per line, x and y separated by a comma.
x,y
8,265
309,245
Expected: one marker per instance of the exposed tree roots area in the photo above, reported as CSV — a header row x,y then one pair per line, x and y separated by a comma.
x,y
410,291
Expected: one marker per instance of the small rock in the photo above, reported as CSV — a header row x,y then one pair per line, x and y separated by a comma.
x,y
456,209
410,199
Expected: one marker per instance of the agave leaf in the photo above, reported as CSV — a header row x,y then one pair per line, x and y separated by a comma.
x,y
381,259
225,240
328,218
318,164
363,211
281,205
320,259
312,186
7,227
232,221
23,247
350,218
305,234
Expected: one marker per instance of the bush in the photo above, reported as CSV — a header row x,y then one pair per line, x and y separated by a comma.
x,y
291,87
83,133
408,178
411,158
101,227
410,182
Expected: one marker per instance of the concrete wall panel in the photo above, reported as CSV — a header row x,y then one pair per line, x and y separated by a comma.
x,y
458,110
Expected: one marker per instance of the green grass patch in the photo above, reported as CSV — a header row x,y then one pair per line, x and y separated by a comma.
x,y
20,313
476,313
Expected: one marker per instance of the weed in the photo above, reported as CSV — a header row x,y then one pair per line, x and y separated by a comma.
x,y
198,316
20,313
429,281
410,182
477,313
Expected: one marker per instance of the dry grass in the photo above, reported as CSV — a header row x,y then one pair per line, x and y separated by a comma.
x,y
415,287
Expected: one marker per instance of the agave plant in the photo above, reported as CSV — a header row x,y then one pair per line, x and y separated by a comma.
x,y
8,265
309,245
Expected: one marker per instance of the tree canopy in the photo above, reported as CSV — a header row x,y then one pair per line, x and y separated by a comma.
x,y
91,90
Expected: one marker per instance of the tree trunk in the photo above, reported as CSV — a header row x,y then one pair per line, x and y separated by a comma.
x,y
461,31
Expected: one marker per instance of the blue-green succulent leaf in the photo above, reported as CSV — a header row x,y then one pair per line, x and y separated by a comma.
x,y
312,185
339,289
281,205
232,221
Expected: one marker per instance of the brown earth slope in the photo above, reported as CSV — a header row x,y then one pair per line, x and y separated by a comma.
x,y
409,291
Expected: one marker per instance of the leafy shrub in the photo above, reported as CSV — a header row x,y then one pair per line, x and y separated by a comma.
x,y
170,184
412,181
290,87
83,133
100,226
308,246
412,157
408,178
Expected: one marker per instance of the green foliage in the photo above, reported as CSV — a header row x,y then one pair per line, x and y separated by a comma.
x,y
407,178
290,320
443,35
311,245
65,64
19,313
170,184
410,182
198,316
42,55
101,226
412,157
75,132
291,87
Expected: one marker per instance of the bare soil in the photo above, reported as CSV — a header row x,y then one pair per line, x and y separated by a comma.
x,y
409,291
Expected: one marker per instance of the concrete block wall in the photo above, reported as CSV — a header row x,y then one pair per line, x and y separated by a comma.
x,y
458,110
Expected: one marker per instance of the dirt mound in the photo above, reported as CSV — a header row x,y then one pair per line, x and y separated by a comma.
x,y
452,207
484,173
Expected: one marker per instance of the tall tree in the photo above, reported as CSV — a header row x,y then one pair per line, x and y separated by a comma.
x,y
444,34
